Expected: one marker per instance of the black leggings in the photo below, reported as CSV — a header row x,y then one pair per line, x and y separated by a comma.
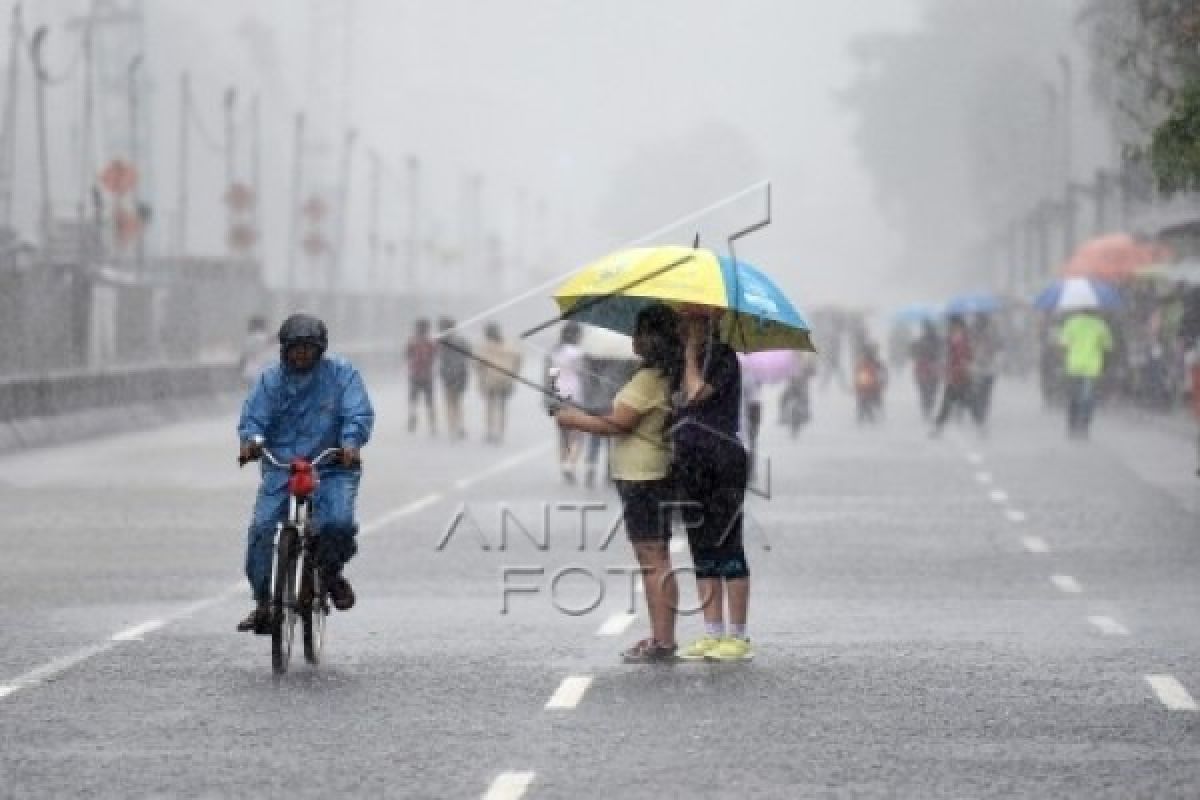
x,y
710,486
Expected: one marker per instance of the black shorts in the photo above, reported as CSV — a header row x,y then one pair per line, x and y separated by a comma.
x,y
710,486
647,509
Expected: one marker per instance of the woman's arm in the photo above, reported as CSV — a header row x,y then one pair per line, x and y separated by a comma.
x,y
621,420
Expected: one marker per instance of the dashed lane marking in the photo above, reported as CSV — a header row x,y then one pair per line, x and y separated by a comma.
x,y
1171,693
998,496
569,692
509,786
1108,626
1035,544
616,624
983,477
1015,516
1065,583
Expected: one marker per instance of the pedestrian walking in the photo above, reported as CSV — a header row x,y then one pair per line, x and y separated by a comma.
x,y
419,355
640,463
452,356
927,360
870,379
796,401
1087,340
566,358
985,357
1189,335
710,472
498,366
956,396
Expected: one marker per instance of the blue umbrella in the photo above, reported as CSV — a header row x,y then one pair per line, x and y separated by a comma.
x,y
917,313
1077,293
979,303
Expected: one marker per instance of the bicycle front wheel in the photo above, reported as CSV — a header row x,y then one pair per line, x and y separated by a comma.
x,y
314,608
283,599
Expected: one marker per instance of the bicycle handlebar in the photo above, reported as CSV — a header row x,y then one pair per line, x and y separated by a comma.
x,y
272,459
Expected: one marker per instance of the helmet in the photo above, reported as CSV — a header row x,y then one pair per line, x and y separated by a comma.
x,y
303,329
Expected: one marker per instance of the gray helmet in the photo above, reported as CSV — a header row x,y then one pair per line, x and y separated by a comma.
x,y
303,329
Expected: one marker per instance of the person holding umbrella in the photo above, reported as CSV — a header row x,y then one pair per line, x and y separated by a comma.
x,y
725,305
639,463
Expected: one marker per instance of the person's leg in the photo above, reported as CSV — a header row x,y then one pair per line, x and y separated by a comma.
x,y
333,512
270,508
949,399
662,590
414,393
1087,404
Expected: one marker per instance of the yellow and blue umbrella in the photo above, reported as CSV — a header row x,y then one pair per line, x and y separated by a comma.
x,y
754,313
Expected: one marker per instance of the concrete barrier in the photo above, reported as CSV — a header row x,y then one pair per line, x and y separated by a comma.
x,y
63,407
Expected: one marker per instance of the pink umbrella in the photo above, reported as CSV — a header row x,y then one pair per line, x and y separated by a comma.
x,y
771,366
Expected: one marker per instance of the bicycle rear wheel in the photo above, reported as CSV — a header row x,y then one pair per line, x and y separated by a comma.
x,y
314,608
283,599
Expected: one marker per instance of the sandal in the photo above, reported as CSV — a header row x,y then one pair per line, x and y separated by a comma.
x,y
648,651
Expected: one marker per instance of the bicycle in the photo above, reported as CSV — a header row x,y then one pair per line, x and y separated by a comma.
x,y
296,557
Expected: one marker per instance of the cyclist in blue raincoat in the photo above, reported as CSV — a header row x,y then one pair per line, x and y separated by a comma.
x,y
306,403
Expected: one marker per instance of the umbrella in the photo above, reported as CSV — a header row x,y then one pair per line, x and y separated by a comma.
x,y
979,303
1077,293
753,313
1113,258
771,366
917,313
602,343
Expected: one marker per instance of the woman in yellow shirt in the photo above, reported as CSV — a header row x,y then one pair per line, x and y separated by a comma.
x,y
640,462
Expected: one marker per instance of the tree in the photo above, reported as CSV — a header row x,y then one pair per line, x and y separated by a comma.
x,y
1147,70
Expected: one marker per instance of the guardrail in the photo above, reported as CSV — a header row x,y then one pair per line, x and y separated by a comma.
x,y
59,393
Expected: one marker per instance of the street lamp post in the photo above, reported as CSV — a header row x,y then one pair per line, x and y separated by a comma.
x,y
47,211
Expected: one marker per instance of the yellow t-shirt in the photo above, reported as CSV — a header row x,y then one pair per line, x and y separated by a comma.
x,y
643,454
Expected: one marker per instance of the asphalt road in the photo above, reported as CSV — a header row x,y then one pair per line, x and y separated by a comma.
x,y
1014,615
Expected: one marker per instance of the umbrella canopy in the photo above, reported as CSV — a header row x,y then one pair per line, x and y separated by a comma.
x,y
771,366
603,343
1073,294
1113,258
753,313
978,303
917,313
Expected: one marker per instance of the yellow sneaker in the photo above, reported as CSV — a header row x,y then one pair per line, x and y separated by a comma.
x,y
699,649
731,648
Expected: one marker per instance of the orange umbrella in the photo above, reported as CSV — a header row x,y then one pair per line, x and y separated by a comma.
x,y
1114,258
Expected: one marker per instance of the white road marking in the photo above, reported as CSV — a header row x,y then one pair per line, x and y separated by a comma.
x,y
677,545
1171,693
1066,583
569,692
983,477
56,667
975,458
1015,516
998,496
1109,626
616,624
136,633
1035,544
378,523
509,786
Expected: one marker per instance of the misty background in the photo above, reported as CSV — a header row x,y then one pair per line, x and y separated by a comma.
x,y
546,133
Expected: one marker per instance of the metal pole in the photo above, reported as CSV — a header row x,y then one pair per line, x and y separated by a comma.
x,y
1069,235
47,211
87,167
230,166
335,274
373,224
184,174
255,173
297,194
134,161
8,155
413,166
